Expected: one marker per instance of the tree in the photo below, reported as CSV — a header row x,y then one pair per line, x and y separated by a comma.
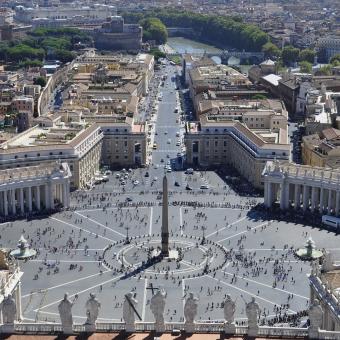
x,y
154,29
305,67
290,55
307,55
40,81
270,50
335,60
324,71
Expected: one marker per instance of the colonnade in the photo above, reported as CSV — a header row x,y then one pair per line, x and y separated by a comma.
x,y
302,187
21,198
303,196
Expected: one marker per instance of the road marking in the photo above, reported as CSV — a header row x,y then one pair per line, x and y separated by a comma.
x,y
248,293
245,231
83,317
144,299
102,225
62,261
150,225
228,226
181,220
66,283
265,285
82,229
82,291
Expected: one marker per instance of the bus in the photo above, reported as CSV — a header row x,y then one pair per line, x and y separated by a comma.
x,y
154,146
331,221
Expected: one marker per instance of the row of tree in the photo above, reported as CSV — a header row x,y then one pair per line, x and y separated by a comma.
x,y
222,31
44,43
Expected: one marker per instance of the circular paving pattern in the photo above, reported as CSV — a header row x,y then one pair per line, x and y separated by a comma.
x,y
190,256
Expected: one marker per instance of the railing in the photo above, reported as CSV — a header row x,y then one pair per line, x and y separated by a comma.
x,y
199,327
48,328
283,331
329,335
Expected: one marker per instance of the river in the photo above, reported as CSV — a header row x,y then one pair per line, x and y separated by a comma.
x,y
183,45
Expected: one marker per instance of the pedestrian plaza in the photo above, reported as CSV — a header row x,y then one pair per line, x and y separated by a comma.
x,y
102,245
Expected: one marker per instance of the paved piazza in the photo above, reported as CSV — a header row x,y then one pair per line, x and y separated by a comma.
x,y
244,253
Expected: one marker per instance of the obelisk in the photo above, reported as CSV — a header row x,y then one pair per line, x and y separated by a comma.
x,y
165,220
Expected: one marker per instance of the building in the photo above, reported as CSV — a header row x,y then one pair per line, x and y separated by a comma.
x,y
239,136
322,149
301,187
64,14
328,47
24,107
216,77
79,144
324,287
114,34
34,188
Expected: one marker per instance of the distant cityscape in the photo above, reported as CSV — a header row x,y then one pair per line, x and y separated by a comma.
x,y
170,169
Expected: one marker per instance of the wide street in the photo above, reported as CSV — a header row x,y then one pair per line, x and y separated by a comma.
x,y
227,245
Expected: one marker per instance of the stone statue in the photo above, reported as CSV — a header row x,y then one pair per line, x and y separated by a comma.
x,y
229,314
129,313
65,313
190,312
252,311
328,262
92,310
157,306
9,310
315,314
4,265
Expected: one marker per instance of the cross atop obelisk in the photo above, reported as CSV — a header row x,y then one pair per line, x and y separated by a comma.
x,y
165,219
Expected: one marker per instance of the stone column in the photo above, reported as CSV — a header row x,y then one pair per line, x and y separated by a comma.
x,y
64,189
337,197
270,194
329,205
305,197
29,198
18,301
51,195
21,198
321,199
37,197
313,198
47,197
5,203
297,196
13,206
266,194
283,195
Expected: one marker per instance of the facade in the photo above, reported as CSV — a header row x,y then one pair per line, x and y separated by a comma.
x,y
64,13
325,287
77,144
302,187
34,188
329,46
322,149
218,141
116,35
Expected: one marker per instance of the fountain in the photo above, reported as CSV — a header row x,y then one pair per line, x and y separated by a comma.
x,y
309,252
23,251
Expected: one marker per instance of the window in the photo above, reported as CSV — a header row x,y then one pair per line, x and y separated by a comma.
x,y
25,156
273,153
38,154
51,153
60,153
16,157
